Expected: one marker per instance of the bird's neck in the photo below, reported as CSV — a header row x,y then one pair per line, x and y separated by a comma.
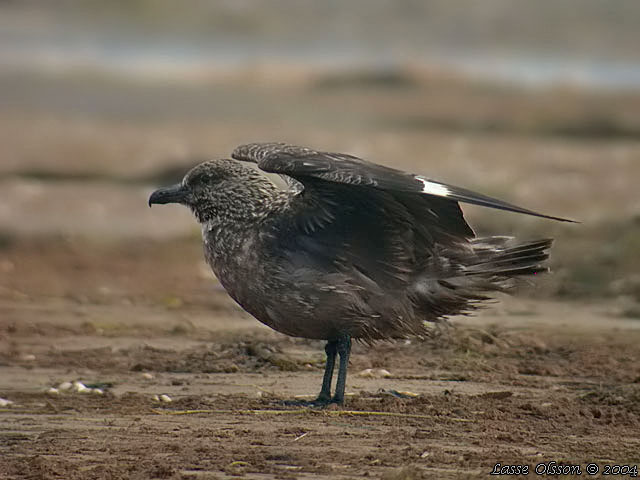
x,y
233,228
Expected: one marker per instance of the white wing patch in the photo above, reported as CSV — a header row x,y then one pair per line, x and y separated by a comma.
x,y
433,188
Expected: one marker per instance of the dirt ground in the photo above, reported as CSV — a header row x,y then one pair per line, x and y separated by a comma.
x,y
96,288
525,382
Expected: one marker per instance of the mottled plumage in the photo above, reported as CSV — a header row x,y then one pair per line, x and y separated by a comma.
x,y
351,250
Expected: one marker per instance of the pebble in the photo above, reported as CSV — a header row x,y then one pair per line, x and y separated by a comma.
x,y
374,373
4,402
75,386
165,398
147,376
80,387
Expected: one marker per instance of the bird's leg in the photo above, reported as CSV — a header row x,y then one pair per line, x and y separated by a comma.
x,y
344,349
331,348
324,398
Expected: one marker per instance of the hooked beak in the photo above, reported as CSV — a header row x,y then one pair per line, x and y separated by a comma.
x,y
173,194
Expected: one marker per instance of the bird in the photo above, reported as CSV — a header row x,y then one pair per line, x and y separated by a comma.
x,y
350,250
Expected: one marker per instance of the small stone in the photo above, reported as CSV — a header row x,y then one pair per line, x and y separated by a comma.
x,y
374,373
53,391
97,391
147,376
155,398
80,387
65,386
4,402
165,398
27,357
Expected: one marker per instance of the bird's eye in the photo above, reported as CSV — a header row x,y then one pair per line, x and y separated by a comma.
x,y
205,179
201,179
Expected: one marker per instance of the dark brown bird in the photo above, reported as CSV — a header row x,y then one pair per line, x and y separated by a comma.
x,y
351,250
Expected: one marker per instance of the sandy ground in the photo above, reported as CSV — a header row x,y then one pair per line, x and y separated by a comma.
x,y
527,381
97,288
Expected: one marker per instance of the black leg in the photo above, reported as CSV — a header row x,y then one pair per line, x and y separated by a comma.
x,y
324,398
344,349
331,348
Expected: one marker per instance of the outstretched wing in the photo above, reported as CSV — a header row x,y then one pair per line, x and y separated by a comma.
x,y
303,164
339,218
332,184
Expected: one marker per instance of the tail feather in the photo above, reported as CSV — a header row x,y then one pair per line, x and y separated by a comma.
x,y
506,260
467,278
501,265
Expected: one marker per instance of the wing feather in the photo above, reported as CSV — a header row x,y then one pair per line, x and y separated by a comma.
x,y
301,162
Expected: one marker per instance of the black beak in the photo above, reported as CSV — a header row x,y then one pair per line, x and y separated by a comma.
x,y
173,194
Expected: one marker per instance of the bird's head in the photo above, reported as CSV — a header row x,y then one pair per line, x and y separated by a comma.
x,y
218,190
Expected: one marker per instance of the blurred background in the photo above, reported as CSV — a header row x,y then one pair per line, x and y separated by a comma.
x,y
100,101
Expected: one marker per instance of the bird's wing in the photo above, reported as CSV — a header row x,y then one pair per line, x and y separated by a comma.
x,y
355,203
303,164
